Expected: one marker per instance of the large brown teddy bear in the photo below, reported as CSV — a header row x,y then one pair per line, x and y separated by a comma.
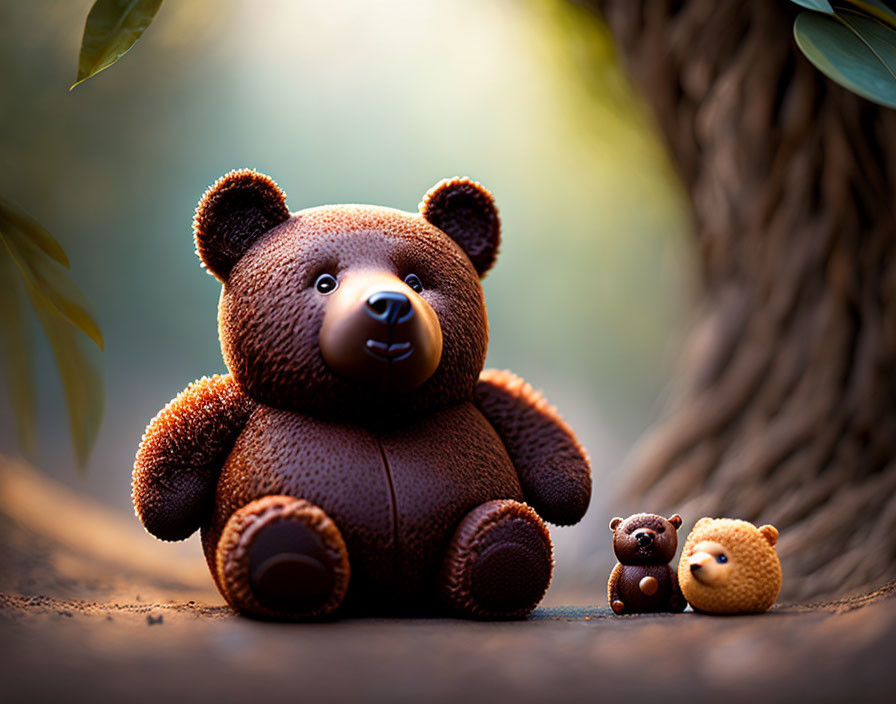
x,y
356,457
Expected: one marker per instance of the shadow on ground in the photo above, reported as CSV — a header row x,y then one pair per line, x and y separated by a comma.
x,y
89,610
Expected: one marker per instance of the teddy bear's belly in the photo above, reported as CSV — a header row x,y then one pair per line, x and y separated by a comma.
x,y
635,598
397,496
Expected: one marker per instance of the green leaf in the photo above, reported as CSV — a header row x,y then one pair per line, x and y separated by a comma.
x,y
49,277
28,252
852,55
819,5
14,219
112,28
876,9
879,38
81,379
16,346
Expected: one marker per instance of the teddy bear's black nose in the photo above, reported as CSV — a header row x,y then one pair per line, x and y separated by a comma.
x,y
389,307
644,538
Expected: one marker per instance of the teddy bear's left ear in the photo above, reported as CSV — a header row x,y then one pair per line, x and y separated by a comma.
x,y
614,524
239,208
465,211
675,520
770,533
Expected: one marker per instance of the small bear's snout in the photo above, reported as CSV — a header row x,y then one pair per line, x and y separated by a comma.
x,y
389,307
644,537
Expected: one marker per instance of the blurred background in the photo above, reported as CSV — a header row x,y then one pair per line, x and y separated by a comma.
x,y
352,102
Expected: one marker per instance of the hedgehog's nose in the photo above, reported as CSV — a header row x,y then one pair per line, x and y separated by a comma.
x,y
697,560
644,538
389,307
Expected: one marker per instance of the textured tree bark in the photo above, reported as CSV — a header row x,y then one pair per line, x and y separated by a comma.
x,y
785,407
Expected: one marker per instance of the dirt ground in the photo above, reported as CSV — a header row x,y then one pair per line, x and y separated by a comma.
x,y
92,610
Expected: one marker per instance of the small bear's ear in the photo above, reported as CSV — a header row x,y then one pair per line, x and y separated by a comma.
x,y
465,211
614,524
770,533
239,208
675,520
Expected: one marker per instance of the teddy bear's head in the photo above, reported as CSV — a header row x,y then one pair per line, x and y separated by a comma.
x,y
350,311
645,538
730,566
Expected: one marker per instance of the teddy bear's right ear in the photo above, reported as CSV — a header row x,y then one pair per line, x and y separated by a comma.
x,y
239,208
465,211
675,520
614,524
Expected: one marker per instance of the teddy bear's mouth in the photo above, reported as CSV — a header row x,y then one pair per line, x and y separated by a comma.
x,y
388,351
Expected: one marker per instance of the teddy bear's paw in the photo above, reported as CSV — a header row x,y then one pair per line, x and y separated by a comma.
x,y
499,562
282,557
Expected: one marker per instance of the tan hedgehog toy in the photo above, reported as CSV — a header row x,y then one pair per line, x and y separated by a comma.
x,y
729,566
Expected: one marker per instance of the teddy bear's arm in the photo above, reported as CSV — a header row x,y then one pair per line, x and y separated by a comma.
x,y
182,452
613,590
553,468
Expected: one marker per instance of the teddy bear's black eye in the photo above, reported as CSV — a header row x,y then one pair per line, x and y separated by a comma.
x,y
721,559
661,529
414,282
326,283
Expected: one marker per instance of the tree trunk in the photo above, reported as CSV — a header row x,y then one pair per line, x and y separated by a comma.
x,y
785,408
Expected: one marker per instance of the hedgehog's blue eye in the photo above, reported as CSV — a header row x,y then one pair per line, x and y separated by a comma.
x,y
722,559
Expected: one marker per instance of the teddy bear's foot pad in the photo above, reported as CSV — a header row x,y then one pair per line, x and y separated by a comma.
x,y
288,568
499,563
283,557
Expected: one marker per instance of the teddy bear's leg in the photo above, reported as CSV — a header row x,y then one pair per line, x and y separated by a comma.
x,y
499,562
282,557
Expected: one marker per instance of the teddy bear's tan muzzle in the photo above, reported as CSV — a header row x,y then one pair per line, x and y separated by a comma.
x,y
379,331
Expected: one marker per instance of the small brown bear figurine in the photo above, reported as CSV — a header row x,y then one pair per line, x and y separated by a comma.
x,y
643,582
356,457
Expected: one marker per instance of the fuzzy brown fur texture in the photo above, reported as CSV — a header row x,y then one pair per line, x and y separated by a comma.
x,y
383,471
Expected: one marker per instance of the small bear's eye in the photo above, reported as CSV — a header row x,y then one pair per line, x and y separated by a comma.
x,y
326,283
721,559
661,529
414,282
